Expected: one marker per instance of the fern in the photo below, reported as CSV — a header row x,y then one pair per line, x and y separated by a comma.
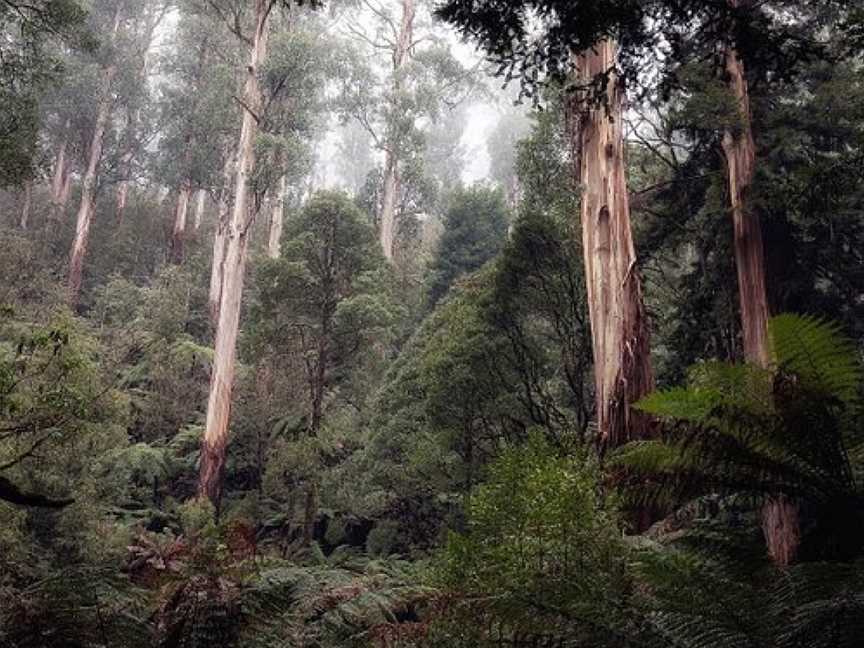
x,y
321,605
819,354
745,432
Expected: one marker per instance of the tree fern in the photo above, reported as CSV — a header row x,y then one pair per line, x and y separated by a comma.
x,y
751,433
819,354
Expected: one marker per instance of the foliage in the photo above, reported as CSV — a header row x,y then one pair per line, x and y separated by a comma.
x,y
28,65
750,433
540,558
474,229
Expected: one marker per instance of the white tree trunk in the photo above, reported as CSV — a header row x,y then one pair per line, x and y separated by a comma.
x,y
122,198
200,198
387,220
619,329
26,205
178,235
60,176
67,189
277,216
215,439
219,239
91,176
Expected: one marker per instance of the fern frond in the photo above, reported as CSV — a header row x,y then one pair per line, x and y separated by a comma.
x,y
681,403
819,354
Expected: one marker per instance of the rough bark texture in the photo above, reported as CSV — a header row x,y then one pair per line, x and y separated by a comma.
x,y
782,529
619,329
387,224
740,152
234,268
88,189
277,216
780,517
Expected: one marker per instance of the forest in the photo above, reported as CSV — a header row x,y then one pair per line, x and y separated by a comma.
x,y
431,323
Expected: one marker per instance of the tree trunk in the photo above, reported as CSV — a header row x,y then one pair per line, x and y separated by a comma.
x,y
782,529
317,375
88,191
310,512
277,216
125,167
740,152
780,516
151,20
60,176
26,204
234,268
66,191
219,240
619,327
387,221
178,235
200,198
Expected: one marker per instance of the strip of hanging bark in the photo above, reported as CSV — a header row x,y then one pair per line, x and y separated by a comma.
x,y
91,176
619,327
215,439
739,150
387,221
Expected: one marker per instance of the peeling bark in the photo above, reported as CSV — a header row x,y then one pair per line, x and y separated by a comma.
x,y
781,527
387,220
91,176
619,327
780,515
215,439
739,150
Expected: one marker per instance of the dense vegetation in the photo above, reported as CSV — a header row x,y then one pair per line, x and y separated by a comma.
x,y
275,371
